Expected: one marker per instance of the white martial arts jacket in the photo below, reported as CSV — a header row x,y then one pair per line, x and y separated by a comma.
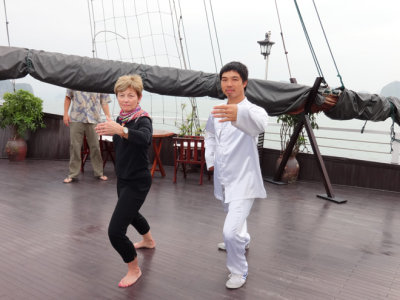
x,y
231,147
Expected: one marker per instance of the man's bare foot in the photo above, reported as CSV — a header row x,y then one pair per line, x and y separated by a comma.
x,y
130,278
103,178
69,180
150,244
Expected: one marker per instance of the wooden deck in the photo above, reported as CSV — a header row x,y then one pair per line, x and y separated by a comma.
x,y
54,244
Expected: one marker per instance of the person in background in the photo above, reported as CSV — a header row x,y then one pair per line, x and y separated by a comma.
x,y
132,136
85,114
231,151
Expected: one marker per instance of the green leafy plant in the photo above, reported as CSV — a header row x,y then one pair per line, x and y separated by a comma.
x,y
288,123
22,111
188,125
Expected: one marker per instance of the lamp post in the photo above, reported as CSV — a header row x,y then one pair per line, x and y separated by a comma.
x,y
94,39
265,47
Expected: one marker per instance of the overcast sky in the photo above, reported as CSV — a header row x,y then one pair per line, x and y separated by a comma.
x,y
364,35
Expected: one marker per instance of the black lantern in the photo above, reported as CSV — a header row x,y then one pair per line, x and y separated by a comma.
x,y
266,45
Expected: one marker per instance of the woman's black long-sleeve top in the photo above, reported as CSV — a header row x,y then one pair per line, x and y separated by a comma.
x,y
131,155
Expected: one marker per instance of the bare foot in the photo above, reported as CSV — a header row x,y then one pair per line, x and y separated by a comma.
x,y
103,178
69,180
150,244
130,278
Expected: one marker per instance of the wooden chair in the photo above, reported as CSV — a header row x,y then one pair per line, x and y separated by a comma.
x,y
189,150
107,149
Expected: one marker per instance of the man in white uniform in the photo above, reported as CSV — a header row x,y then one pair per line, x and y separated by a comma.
x,y
231,151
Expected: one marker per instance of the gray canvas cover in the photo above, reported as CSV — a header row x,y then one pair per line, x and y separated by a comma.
x,y
363,106
99,75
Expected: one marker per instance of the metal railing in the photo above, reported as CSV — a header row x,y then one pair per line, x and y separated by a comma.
x,y
372,145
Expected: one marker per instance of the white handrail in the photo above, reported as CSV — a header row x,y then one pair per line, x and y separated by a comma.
x,y
332,141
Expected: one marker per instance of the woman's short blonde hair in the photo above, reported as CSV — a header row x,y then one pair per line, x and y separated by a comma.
x,y
129,81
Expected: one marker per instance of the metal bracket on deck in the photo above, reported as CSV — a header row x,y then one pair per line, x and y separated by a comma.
x,y
305,121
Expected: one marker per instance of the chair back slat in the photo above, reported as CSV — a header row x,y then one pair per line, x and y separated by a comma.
x,y
189,150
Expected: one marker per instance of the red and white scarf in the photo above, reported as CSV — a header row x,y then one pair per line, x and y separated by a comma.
x,y
126,117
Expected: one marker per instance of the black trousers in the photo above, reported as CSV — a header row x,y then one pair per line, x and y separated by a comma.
x,y
131,195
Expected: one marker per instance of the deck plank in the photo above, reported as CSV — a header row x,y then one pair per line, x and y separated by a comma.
x,y
54,242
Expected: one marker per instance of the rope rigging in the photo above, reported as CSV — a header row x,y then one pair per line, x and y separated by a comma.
x,y
314,56
105,27
216,35
153,32
319,69
195,112
5,14
283,40
392,132
152,35
329,47
174,33
8,37
209,33
115,29
176,45
163,33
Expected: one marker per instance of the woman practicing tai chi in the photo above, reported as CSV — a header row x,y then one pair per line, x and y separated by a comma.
x,y
132,135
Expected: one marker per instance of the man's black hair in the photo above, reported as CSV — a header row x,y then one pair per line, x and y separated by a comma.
x,y
235,66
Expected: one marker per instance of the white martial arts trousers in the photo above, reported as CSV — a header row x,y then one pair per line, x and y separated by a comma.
x,y
235,234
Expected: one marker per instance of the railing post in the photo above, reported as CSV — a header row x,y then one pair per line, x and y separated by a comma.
x,y
395,153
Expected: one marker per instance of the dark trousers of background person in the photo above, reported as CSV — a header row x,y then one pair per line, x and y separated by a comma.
x,y
131,195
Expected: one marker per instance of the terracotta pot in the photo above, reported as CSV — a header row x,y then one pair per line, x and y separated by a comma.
x,y
291,171
16,150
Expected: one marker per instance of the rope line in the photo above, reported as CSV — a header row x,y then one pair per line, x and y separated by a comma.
x,y
127,30
319,70
152,36
105,28
184,36
8,38
175,30
363,128
154,52
163,33
216,34
92,20
115,29
193,101
155,34
5,13
329,47
177,49
392,132
166,51
283,40
209,33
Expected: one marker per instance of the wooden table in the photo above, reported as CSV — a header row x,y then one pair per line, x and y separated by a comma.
x,y
158,136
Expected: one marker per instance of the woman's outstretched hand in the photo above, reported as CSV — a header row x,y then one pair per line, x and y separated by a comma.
x,y
108,127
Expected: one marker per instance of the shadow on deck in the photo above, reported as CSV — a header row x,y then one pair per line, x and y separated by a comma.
x,y
54,242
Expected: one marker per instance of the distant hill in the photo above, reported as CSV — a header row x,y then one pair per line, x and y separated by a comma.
x,y
391,89
7,87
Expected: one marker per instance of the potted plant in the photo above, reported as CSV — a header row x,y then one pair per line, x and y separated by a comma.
x,y
189,145
21,111
288,123
189,126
